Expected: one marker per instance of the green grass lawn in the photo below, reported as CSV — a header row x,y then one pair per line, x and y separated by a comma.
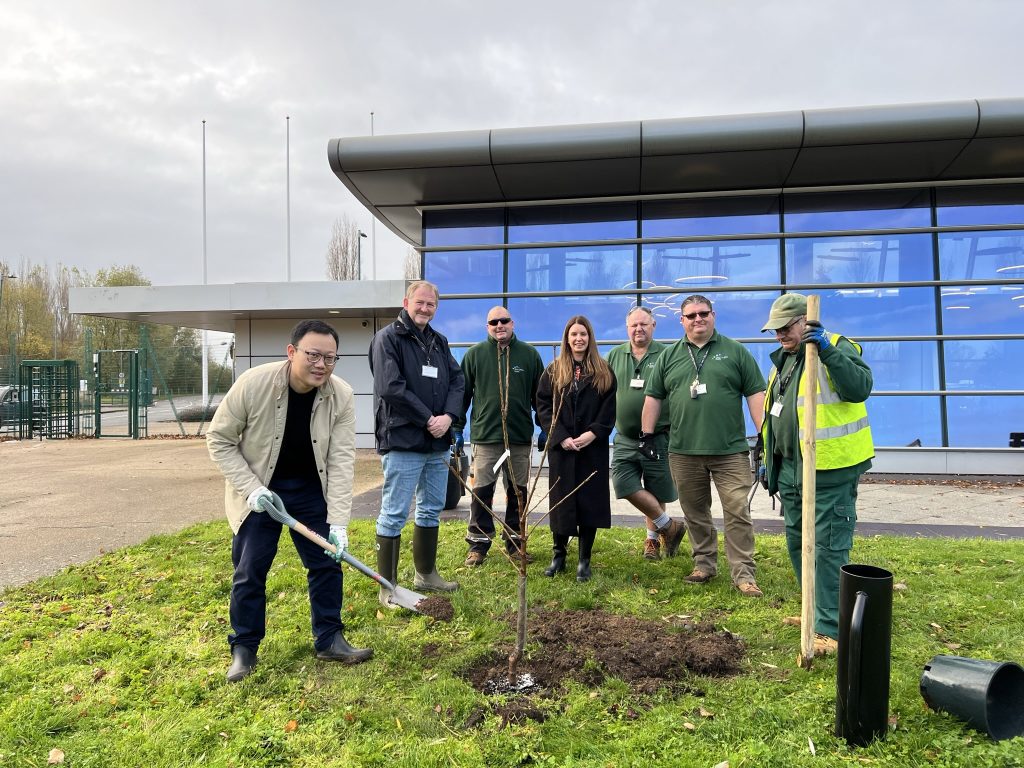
x,y
121,662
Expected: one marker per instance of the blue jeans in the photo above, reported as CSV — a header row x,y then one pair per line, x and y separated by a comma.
x,y
252,552
407,473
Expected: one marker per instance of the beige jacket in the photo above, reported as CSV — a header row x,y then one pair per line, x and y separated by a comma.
x,y
245,437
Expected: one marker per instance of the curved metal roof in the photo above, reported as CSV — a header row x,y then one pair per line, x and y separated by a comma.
x,y
397,176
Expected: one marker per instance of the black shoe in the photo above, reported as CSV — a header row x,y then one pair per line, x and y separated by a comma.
x,y
583,570
243,659
340,650
557,565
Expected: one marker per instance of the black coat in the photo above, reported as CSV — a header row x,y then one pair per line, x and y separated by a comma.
x,y
590,506
404,399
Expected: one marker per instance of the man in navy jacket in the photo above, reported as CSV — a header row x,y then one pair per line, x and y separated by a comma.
x,y
417,393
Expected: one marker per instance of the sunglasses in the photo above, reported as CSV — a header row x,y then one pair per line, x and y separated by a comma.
x,y
702,315
502,320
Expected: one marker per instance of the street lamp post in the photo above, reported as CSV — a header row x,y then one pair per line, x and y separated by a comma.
x,y
4,278
359,254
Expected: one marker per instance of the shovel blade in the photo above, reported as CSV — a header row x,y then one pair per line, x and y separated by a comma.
x,y
405,598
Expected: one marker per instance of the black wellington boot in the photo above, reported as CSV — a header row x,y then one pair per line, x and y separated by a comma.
x,y
424,557
340,650
558,560
387,565
587,536
243,659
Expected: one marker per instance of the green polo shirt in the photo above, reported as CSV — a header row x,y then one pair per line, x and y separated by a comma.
x,y
712,424
629,400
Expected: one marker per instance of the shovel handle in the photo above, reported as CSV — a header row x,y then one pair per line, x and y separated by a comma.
x,y
303,530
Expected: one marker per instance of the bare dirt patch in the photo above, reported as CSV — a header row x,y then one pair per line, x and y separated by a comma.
x,y
589,646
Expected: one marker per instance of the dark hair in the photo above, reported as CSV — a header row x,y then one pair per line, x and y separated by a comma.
x,y
696,299
312,326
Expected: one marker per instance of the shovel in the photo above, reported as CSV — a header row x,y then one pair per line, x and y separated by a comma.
x,y
400,596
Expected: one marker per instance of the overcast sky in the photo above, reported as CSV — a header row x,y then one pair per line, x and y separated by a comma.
x,y
102,101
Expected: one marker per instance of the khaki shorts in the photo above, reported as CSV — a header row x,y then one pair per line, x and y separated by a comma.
x,y
631,472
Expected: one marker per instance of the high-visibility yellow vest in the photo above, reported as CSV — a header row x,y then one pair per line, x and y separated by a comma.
x,y
842,434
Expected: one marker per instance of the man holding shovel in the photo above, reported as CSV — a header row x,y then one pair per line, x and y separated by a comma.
x,y
291,427
844,449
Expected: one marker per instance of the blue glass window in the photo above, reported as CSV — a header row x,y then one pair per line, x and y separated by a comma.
x,y
981,255
861,259
890,209
462,320
484,226
544,319
903,365
572,269
990,364
967,206
861,312
983,422
899,421
701,265
711,216
553,223
465,271
977,309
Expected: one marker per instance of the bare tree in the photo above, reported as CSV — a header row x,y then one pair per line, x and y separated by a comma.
x,y
343,250
412,264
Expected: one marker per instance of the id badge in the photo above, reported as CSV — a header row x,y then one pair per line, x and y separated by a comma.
x,y
430,371
693,391
636,383
776,409
701,389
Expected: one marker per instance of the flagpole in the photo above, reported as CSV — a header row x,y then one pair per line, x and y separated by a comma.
x,y
288,193
206,363
373,230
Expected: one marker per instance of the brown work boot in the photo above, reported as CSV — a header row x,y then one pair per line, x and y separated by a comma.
x,y
475,559
825,645
652,549
791,621
671,536
697,576
749,589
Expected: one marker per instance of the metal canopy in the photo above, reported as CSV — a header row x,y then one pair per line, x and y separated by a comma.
x,y
396,177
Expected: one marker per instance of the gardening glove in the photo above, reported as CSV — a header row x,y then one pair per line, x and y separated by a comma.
x,y
646,447
339,538
759,447
253,502
542,440
460,441
815,334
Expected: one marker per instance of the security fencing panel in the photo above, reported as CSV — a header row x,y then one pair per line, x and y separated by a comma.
x,y
48,399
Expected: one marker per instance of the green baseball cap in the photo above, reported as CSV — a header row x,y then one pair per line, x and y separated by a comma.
x,y
785,310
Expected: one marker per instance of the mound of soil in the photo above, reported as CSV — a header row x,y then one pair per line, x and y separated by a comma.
x,y
589,646
437,607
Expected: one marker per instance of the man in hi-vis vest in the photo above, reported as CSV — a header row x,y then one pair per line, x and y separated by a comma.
x,y
844,448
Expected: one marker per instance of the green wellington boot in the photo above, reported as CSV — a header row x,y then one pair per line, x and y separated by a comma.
x,y
387,565
424,557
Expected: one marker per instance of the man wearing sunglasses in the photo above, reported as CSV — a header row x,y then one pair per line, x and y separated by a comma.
x,y
417,394
501,375
705,377
844,449
289,428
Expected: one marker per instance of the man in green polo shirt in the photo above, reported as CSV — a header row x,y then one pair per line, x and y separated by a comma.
x,y
645,483
705,377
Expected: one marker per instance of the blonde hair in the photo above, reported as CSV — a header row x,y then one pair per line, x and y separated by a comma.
x,y
417,284
593,364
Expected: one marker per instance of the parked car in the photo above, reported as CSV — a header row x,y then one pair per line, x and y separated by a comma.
x,y
8,404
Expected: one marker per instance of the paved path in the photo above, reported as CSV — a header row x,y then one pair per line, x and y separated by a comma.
x,y
67,501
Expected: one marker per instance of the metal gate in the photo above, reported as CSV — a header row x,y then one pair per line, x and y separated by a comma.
x,y
116,405
48,399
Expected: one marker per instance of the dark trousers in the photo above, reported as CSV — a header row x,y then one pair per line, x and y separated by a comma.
x,y
252,552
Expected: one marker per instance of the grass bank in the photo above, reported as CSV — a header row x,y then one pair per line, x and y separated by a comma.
x,y
120,662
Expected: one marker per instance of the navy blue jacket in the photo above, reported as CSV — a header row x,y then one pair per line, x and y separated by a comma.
x,y
404,399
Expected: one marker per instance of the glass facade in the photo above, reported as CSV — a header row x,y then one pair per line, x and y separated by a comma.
x,y
929,280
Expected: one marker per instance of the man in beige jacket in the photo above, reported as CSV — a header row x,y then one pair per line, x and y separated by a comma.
x,y
288,427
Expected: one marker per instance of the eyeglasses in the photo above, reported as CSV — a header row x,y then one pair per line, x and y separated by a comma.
x,y
786,328
502,320
704,315
316,357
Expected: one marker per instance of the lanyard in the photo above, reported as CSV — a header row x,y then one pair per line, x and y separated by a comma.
x,y
783,381
698,365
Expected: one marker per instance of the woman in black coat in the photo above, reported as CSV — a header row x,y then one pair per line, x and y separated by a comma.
x,y
576,406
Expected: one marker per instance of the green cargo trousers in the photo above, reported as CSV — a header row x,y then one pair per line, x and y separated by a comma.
x,y
835,517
